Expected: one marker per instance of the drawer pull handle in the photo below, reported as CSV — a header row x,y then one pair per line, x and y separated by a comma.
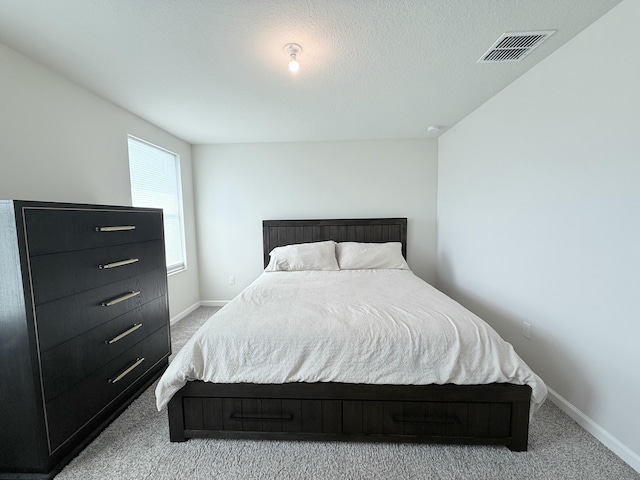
x,y
262,418
124,297
121,263
118,228
127,371
124,334
424,421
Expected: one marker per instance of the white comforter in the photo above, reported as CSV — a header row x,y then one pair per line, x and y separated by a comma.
x,y
352,326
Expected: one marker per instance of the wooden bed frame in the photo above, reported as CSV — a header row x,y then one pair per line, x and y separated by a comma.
x,y
495,414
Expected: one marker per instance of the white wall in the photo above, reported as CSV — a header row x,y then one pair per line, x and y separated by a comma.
x,y
539,221
59,142
238,186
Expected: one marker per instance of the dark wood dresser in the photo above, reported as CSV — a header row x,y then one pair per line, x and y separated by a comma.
x,y
84,325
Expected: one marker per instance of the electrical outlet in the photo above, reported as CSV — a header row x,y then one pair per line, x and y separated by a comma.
x,y
526,330
232,280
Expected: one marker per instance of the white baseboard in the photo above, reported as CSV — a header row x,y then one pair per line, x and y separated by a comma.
x,y
184,313
608,440
204,303
214,303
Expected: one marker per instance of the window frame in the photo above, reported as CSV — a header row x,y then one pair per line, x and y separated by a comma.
x,y
176,267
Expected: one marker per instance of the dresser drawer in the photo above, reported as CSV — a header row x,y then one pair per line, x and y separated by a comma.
x,y
59,275
70,362
62,230
71,410
68,317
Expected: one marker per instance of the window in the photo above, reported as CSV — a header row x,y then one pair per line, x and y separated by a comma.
x,y
155,183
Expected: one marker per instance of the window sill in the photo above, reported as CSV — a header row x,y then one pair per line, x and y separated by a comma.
x,y
176,270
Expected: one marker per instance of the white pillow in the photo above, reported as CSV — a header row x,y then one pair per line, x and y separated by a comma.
x,y
360,256
304,256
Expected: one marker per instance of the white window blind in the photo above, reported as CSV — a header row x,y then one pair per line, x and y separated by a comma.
x,y
155,183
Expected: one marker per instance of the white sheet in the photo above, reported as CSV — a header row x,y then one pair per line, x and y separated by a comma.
x,y
355,326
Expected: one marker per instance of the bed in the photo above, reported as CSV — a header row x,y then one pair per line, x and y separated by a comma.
x,y
301,388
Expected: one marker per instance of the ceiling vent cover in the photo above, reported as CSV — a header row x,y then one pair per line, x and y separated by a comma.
x,y
513,47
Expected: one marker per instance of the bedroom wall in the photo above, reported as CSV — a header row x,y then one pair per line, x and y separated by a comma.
x,y
238,186
59,142
538,222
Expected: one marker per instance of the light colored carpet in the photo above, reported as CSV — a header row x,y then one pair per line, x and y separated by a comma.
x,y
136,446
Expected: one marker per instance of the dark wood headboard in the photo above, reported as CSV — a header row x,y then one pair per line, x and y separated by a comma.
x,y
277,233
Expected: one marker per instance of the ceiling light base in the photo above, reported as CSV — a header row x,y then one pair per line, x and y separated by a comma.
x,y
292,49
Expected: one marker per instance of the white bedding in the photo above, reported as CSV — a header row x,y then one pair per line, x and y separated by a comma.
x,y
352,326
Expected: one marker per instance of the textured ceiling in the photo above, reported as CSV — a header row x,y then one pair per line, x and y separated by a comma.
x,y
214,71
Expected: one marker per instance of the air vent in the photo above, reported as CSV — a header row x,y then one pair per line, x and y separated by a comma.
x,y
513,47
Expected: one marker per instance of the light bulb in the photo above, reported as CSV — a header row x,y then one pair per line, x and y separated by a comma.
x,y
294,66
292,49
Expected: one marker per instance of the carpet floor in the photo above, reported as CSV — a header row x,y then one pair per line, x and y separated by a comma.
x,y
136,446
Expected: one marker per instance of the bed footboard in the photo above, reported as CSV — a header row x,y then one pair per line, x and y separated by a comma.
x,y
496,414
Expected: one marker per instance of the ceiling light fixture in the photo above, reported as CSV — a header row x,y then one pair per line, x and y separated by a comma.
x,y
293,49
